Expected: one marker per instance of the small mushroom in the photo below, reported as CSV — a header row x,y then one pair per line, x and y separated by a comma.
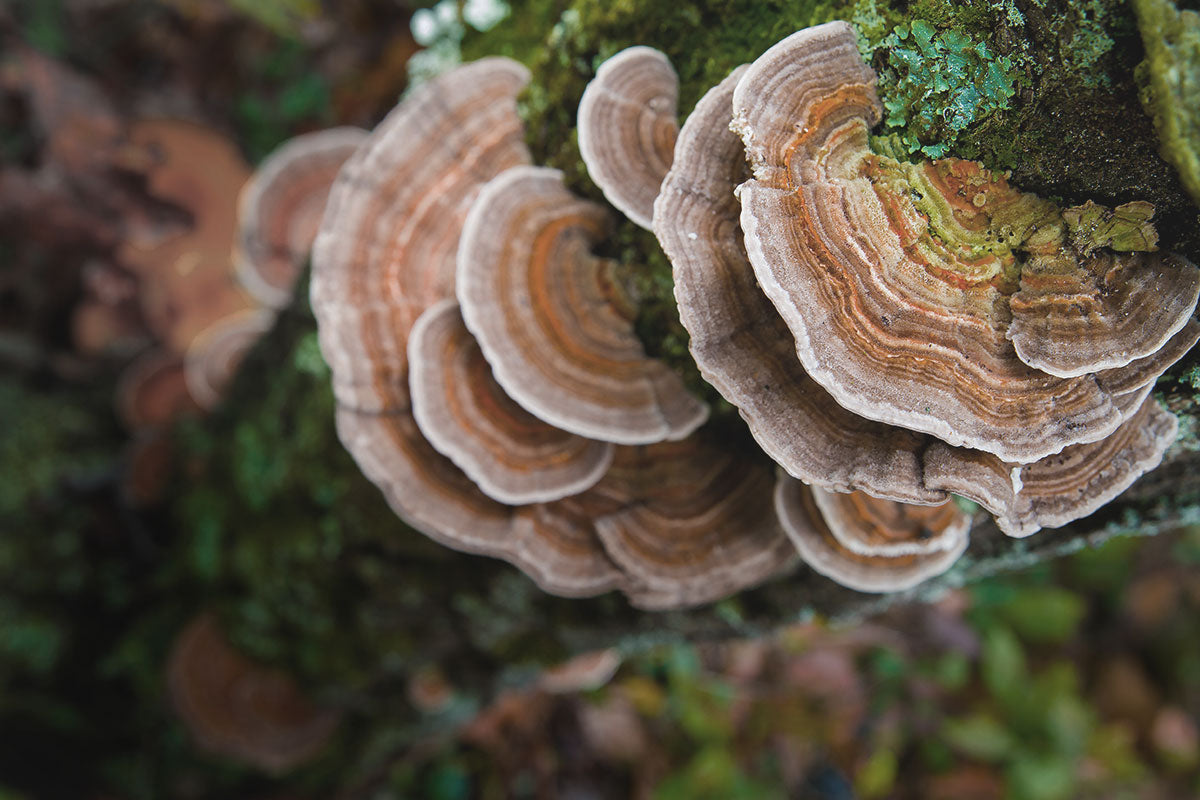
x,y
511,455
895,278
740,343
871,524
583,673
552,321
690,522
215,354
627,128
236,708
280,208
1060,488
152,391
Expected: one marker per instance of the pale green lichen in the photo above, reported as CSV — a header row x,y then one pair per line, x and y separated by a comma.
x,y
1089,43
942,82
1125,228
1170,79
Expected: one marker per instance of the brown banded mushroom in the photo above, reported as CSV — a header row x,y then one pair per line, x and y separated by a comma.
x,y
239,709
627,127
215,354
870,526
510,454
826,548
895,278
690,522
552,321
280,208
1060,488
742,346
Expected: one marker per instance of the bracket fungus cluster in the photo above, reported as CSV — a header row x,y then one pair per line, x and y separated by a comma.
x,y
487,372
929,326
891,332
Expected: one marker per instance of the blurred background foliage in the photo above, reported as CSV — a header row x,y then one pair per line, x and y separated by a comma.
x,y
1077,679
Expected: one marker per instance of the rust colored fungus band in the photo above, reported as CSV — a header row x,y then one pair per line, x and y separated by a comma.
x,y
690,522
821,549
870,526
627,127
511,455
280,207
551,321
895,278
240,709
1060,488
742,346
216,353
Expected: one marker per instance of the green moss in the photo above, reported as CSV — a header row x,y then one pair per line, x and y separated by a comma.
x,y
1171,80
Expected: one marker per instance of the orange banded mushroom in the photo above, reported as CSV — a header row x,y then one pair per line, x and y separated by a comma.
x,y
825,548
895,278
627,128
740,343
553,323
240,709
385,254
280,208
511,455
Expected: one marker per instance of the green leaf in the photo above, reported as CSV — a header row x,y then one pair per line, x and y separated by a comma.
x,y
1003,664
979,736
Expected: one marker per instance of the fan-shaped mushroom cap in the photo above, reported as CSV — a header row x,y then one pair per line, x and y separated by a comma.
x,y
1074,317
552,322
740,343
186,278
1134,380
1060,488
894,278
870,526
384,254
387,244
152,391
689,522
829,555
216,353
627,127
510,454
240,709
553,543
280,208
